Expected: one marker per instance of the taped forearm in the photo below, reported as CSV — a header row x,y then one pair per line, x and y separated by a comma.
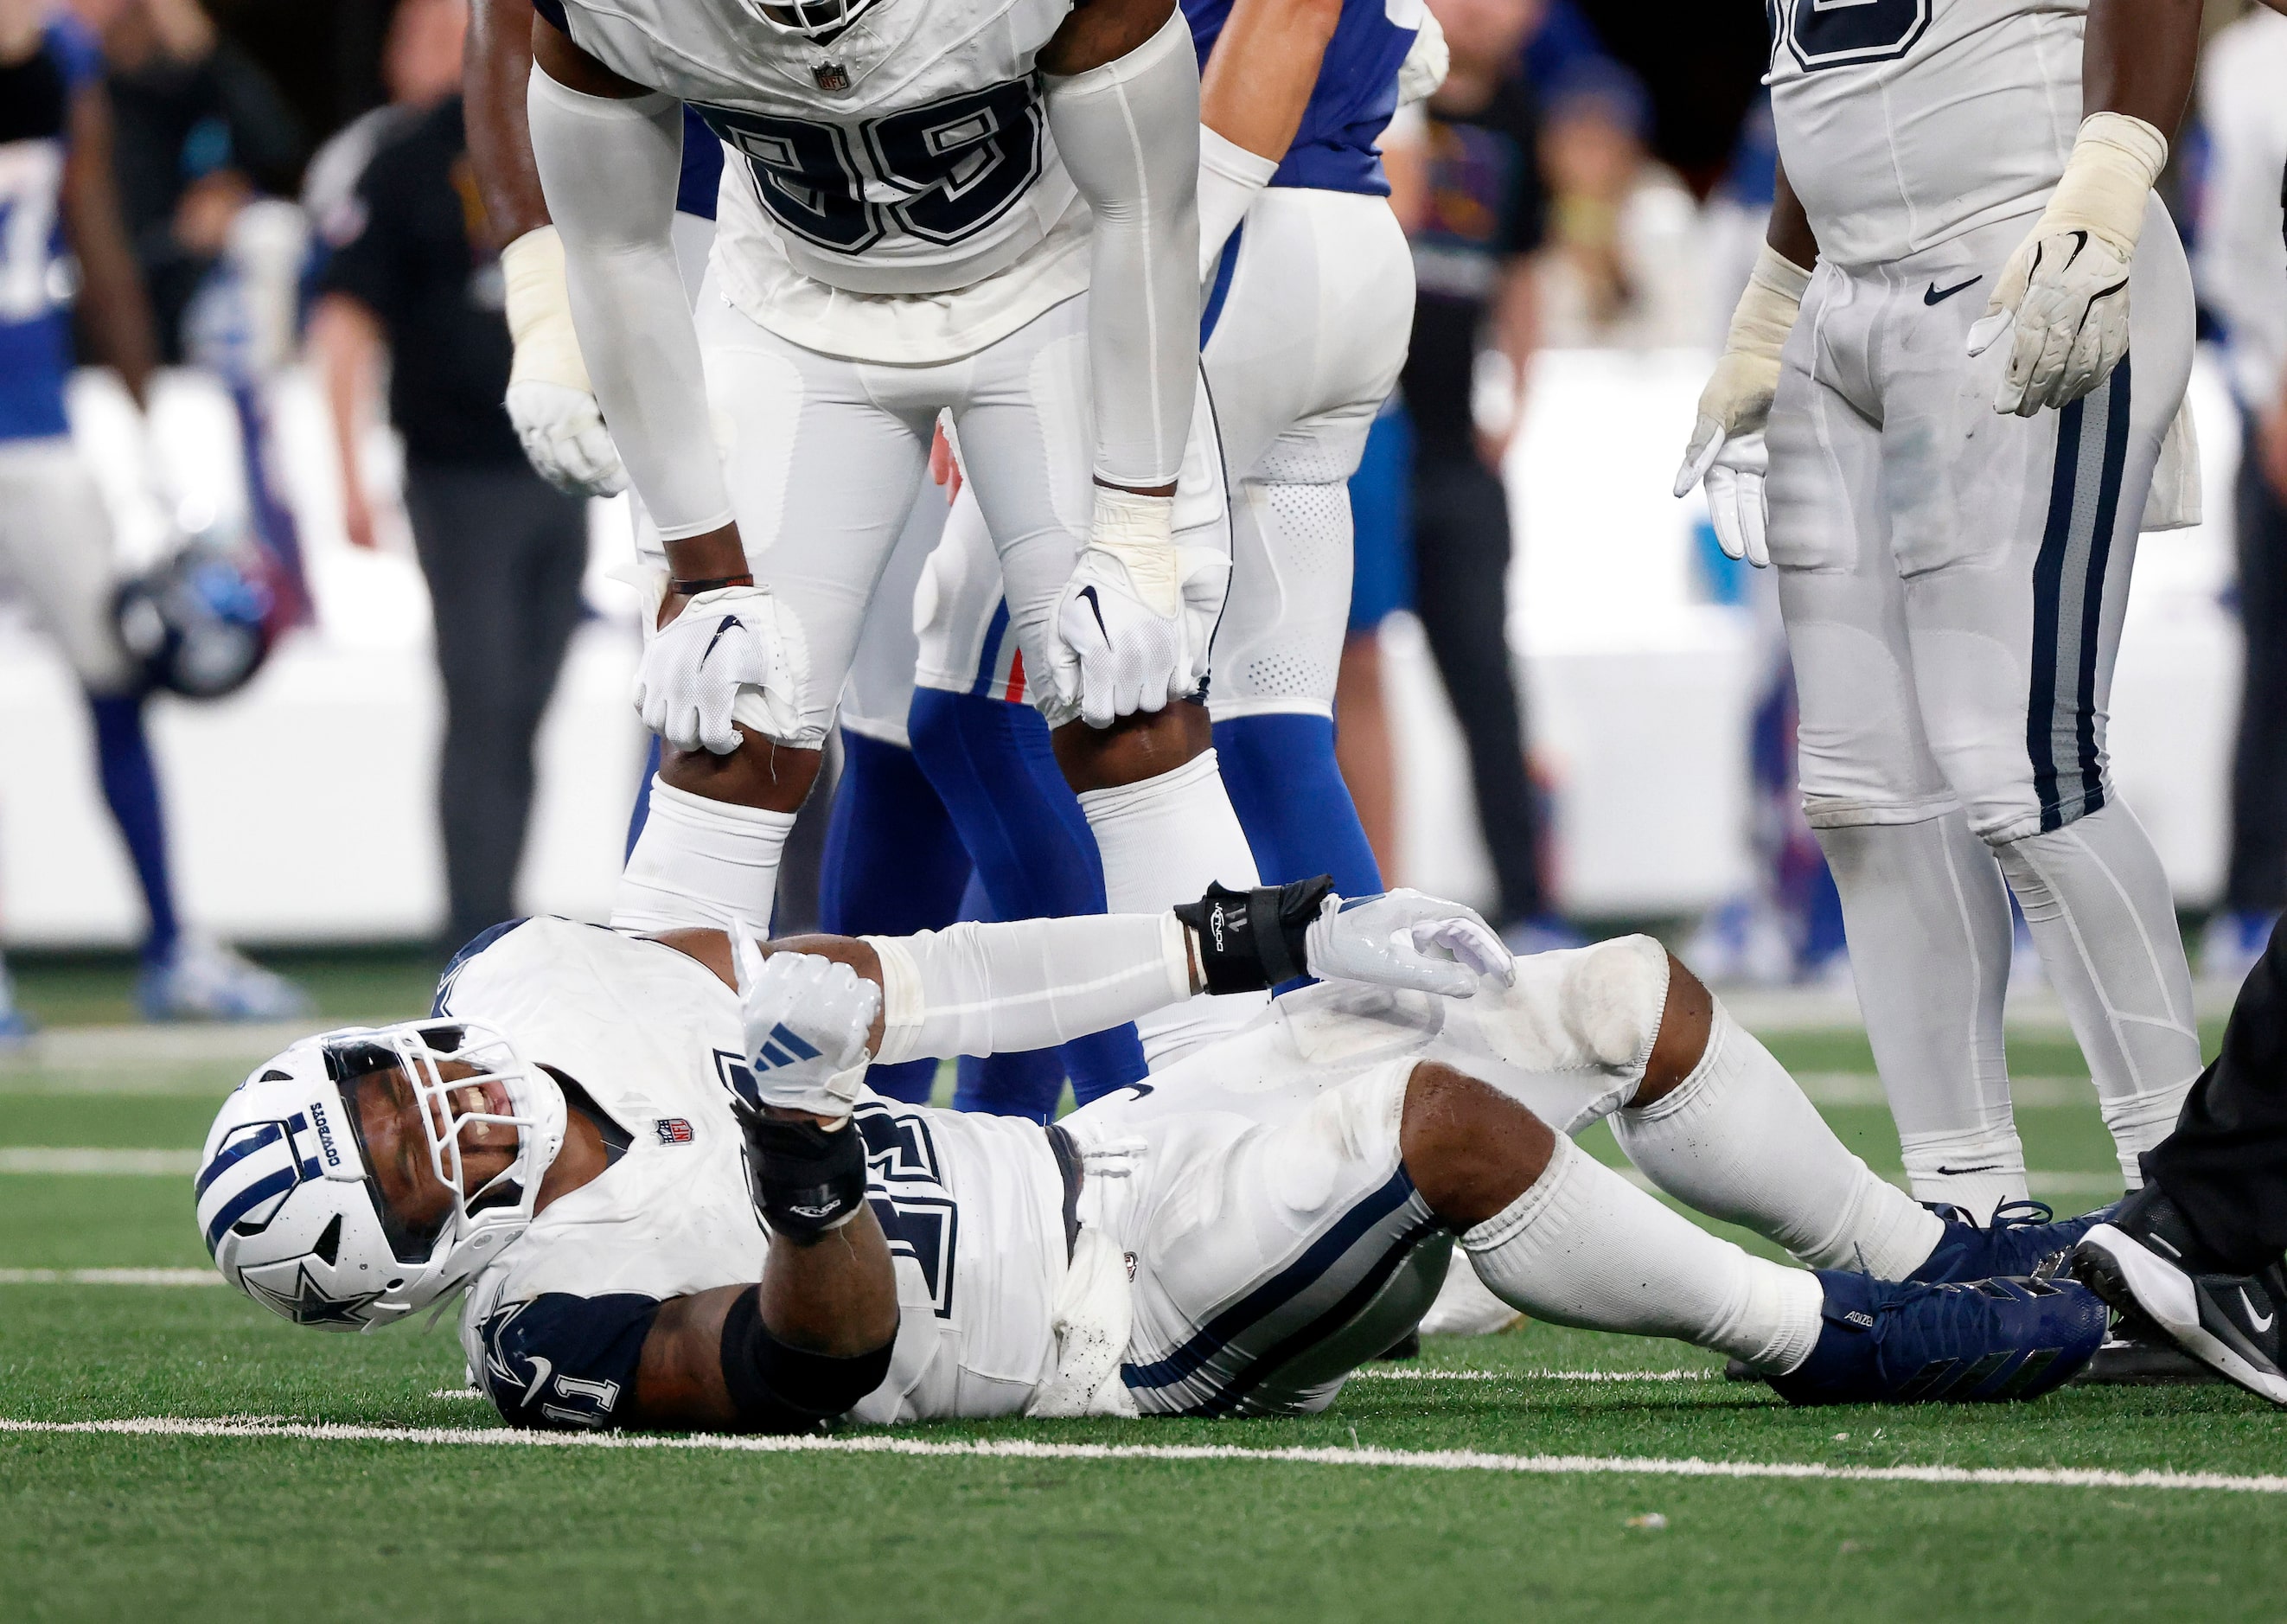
x,y
981,989
610,168
1129,135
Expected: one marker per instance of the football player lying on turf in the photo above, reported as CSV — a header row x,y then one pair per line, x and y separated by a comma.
x,y
675,1204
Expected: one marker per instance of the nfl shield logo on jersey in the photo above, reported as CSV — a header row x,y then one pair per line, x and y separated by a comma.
x,y
831,76
673,1131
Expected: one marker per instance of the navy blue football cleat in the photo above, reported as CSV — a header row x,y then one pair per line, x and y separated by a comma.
x,y
1891,1341
2022,1236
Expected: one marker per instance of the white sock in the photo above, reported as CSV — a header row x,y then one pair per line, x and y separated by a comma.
x,y
1584,1247
1928,922
2104,918
1977,1169
1736,1140
704,863
1165,841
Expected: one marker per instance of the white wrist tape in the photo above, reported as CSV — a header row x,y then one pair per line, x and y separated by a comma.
x,y
1767,310
2115,159
1229,176
539,307
982,989
1139,531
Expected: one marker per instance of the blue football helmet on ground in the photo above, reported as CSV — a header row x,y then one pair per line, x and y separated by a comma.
x,y
199,622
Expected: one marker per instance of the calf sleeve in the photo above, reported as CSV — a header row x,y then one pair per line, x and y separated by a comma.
x,y
130,788
1165,841
1928,924
1736,1140
2101,913
701,863
1279,769
1582,1246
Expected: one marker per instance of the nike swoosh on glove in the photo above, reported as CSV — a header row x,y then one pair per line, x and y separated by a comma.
x,y
726,642
1122,633
1404,939
562,431
806,1020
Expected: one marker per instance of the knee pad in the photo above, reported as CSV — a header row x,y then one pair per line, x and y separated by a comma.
x,y
1591,1014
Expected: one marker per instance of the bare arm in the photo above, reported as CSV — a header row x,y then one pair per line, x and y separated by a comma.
x,y
493,74
1788,233
2138,59
346,341
111,283
1260,75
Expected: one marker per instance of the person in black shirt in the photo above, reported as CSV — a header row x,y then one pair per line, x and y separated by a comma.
x,y
413,268
1474,229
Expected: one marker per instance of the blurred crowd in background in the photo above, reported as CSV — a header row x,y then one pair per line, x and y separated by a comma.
x,y
294,189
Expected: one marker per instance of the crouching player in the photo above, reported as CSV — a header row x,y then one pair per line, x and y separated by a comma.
x,y
654,1165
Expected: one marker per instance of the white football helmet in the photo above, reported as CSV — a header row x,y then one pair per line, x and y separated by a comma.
x,y
287,1201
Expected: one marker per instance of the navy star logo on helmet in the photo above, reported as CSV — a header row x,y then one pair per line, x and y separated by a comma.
x,y
307,1303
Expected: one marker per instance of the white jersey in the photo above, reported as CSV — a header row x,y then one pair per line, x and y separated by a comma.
x,y
894,196
973,1206
1905,123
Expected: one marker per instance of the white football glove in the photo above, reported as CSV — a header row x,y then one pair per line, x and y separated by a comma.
x,y
1727,439
806,1021
2065,290
1404,939
1427,60
727,643
1123,639
551,402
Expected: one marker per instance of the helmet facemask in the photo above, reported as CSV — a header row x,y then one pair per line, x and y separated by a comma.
x,y
813,20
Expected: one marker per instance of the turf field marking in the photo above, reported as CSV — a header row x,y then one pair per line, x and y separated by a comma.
x,y
73,1159
1421,1460
1400,1373
109,1277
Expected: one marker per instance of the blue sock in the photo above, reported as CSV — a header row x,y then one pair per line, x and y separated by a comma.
x,y
893,865
640,814
1292,801
130,784
1035,855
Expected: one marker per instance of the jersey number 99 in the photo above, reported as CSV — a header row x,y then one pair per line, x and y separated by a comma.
x,y
1844,33
959,164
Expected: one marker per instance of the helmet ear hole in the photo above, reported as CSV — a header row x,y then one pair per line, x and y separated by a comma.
x,y
330,1241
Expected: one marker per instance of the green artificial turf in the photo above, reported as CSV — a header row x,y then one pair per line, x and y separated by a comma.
x,y
150,1527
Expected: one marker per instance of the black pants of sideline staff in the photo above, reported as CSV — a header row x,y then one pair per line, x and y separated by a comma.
x,y
1460,571
504,553
2256,880
2226,1165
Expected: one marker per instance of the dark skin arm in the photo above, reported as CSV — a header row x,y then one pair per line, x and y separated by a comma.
x,y
1789,234
2138,58
497,62
111,296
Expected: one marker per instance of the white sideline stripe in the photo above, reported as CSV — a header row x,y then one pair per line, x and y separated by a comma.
x,y
1400,1373
1030,1449
109,1277
2053,1183
74,1159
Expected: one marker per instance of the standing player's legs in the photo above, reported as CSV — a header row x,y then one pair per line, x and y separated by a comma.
x,y
2016,559
1922,901
826,460
1149,784
1307,341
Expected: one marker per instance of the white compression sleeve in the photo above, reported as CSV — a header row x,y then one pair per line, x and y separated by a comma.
x,y
610,168
1129,132
700,863
982,989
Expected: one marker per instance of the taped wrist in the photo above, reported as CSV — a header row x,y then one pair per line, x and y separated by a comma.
x,y
778,1389
806,1180
1250,940
1767,311
2115,159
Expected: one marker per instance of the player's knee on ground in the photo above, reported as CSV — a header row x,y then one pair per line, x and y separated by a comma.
x,y
1133,748
1470,1149
777,1388
760,772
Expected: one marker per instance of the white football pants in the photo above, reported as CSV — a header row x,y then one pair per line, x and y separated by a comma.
x,y
55,548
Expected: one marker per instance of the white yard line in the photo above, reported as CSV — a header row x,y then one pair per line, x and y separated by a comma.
x,y
109,1277
76,1160
1402,1373
1029,1449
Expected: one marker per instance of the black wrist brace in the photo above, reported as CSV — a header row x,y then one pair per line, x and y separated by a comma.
x,y
778,1389
1252,939
805,1179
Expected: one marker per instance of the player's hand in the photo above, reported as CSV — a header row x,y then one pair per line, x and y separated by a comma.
x,y
1404,939
1122,638
1733,467
726,643
806,1020
2064,298
563,437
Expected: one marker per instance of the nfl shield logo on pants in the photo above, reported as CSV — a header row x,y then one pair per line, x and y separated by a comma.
x,y
831,76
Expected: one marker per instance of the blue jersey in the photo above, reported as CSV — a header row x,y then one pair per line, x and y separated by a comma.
x,y
35,97
1357,91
